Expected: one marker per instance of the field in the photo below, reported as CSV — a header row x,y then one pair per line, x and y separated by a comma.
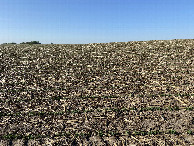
x,y
119,93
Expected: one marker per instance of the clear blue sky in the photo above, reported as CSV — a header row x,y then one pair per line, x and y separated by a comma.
x,y
95,21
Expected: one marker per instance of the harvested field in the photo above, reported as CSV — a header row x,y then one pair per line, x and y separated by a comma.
x,y
139,92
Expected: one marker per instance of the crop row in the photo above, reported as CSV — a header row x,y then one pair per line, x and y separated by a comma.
x,y
100,133
176,108
93,97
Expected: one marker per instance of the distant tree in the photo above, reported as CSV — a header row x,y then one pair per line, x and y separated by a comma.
x,y
12,43
35,42
31,43
51,43
9,43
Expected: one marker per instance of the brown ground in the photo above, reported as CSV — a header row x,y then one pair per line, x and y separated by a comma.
x,y
94,94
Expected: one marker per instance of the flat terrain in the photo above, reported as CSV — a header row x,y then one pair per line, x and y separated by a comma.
x,y
97,94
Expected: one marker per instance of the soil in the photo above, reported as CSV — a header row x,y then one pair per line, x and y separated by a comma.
x,y
119,93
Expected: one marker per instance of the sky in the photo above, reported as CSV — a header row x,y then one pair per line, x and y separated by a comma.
x,y
95,21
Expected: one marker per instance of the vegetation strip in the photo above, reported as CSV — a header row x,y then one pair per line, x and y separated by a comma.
x,y
100,133
33,113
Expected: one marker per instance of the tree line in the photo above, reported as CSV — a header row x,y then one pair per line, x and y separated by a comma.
x,y
30,43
